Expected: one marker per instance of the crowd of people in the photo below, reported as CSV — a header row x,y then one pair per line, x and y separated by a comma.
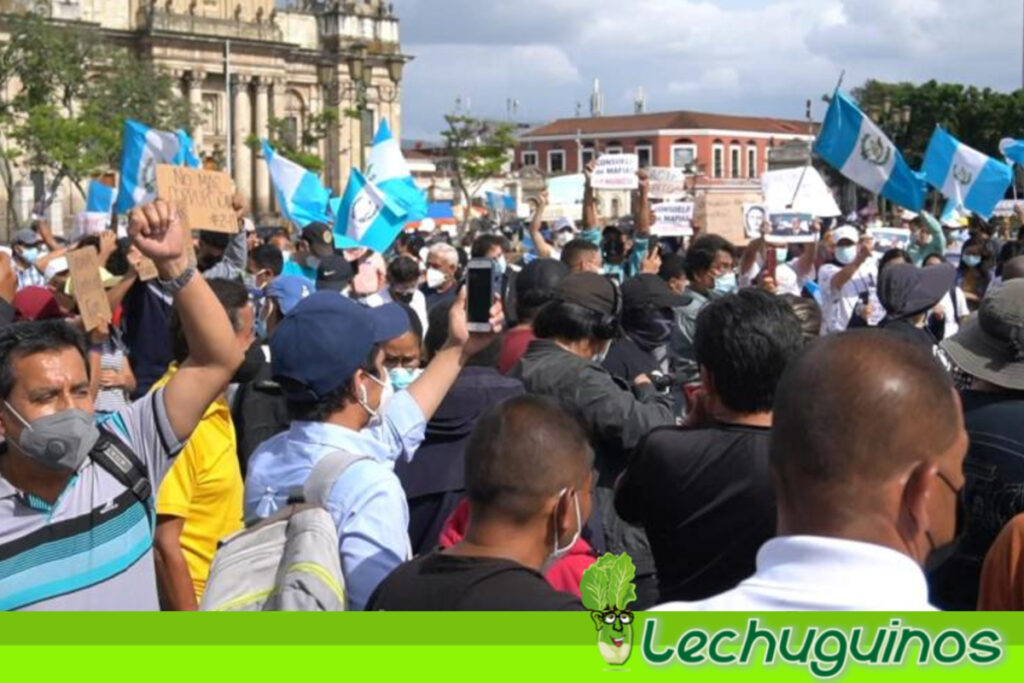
x,y
766,426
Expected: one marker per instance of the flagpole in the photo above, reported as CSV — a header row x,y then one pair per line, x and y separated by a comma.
x,y
228,104
810,155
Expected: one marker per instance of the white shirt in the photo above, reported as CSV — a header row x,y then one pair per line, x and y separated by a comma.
x,y
817,573
947,305
418,304
838,307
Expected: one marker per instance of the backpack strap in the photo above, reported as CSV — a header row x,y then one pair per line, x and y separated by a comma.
x,y
122,464
323,477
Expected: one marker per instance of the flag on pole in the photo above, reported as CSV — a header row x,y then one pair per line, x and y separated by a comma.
x,y
973,180
365,216
100,198
954,215
303,199
389,172
142,148
1013,150
858,149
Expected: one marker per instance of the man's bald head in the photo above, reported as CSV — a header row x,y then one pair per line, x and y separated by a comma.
x,y
1013,269
852,413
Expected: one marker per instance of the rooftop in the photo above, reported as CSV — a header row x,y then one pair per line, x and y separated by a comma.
x,y
672,120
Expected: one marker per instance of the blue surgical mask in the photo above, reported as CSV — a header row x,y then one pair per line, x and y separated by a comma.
x,y
401,378
30,254
782,254
846,255
972,260
726,283
500,266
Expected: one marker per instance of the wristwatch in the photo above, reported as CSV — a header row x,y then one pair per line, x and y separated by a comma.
x,y
174,286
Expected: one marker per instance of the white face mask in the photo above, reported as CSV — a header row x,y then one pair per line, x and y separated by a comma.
x,y
387,391
500,265
558,552
846,255
599,358
435,278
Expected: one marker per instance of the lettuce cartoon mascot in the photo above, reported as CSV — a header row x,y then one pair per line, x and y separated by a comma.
x,y
607,589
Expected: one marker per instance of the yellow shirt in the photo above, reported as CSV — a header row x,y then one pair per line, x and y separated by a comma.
x,y
204,487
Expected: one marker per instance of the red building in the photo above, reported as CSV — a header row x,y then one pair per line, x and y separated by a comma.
x,y
723,149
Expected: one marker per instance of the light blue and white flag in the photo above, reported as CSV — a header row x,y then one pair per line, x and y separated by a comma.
x,y
301,196
388,171
973,180
954,215
142,148
100,198
366,217
858,149
1013,150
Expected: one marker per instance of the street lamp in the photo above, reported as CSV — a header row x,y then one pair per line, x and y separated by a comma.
x,y
361,77
328,76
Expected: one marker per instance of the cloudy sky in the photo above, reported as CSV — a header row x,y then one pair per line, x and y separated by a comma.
x,y
728,56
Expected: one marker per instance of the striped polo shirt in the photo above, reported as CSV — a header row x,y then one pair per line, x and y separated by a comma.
x,y
93,548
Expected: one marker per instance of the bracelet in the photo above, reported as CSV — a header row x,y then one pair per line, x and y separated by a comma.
x,y
174,286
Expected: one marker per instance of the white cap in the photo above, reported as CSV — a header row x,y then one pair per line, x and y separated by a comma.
x,y
846,232
786,280
908,215
55,268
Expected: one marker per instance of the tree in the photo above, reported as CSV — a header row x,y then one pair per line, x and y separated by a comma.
x,y
303,149
477,150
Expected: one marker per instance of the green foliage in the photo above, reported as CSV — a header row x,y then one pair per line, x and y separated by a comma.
x,y
302,149
479,148
978,117
608,583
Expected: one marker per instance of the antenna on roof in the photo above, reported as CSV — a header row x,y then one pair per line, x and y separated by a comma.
x,y
640,103
596,100
579,109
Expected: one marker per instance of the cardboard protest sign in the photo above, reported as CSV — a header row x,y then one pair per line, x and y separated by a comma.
x,y
889,238
754,217
790,227
798,190
203,197
1005,207
720,211
616,172
665,183
84,267
673,219
146,269
565,197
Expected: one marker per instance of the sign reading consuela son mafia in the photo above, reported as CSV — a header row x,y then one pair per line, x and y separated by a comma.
x,y
203,197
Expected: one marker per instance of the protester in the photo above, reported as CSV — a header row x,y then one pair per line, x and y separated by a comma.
x,y
199,502
334,274
582,256
928,238
847,283
403,287
808,312
442,274
855,521
403,355
534,286
264,264
1013,269
26,251
974,275
345,401
50,492
944,319
908,294
673,272
316,242
528,480
703,492
988,351
434,481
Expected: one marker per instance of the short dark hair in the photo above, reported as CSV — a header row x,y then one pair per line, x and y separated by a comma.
x,y
891,255
484,243
269,257
231,294
673,266
745,340
35,336
702,253
1008,252
403,270
338,398
563,320
808,312
523,451
573,252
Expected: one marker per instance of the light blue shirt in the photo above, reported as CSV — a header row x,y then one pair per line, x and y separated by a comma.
x,y
633,264
367,502
294,268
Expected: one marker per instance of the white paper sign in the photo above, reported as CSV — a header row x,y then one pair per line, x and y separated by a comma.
x,y
565,197
673,219
1005,207
665,183
782,195
889,238
616,172
791,227
754,217
89,223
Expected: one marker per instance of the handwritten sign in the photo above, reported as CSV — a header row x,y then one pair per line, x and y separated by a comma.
x,y
720,212
791,227
889,238
665,183
203,197
754,218
84,266
146,269
616,172
673,219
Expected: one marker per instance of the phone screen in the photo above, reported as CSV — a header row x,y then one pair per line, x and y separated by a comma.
x,y
479,294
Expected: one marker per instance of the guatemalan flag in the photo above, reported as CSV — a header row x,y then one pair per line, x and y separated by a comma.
x,y
142,148
855,146
388,171
366,217
100,198
965,175
301,196
1013,150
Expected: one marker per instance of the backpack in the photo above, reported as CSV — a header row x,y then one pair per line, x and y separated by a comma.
x,y
286,562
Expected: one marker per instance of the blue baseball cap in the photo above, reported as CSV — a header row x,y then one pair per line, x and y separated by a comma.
x,y
289,290
325,339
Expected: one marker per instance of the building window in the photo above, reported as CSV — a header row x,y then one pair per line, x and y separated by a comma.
x,y
752,162
683,155
587,156
530,159
613,150
717,160
556,161
735,161
211,114
643,155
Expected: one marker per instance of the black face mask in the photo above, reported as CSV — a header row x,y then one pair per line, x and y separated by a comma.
x,y
405,298
250,367
651,332
939,554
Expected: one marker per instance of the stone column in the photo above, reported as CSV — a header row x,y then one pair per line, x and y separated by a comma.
x,y
194,80
261,189
242,127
